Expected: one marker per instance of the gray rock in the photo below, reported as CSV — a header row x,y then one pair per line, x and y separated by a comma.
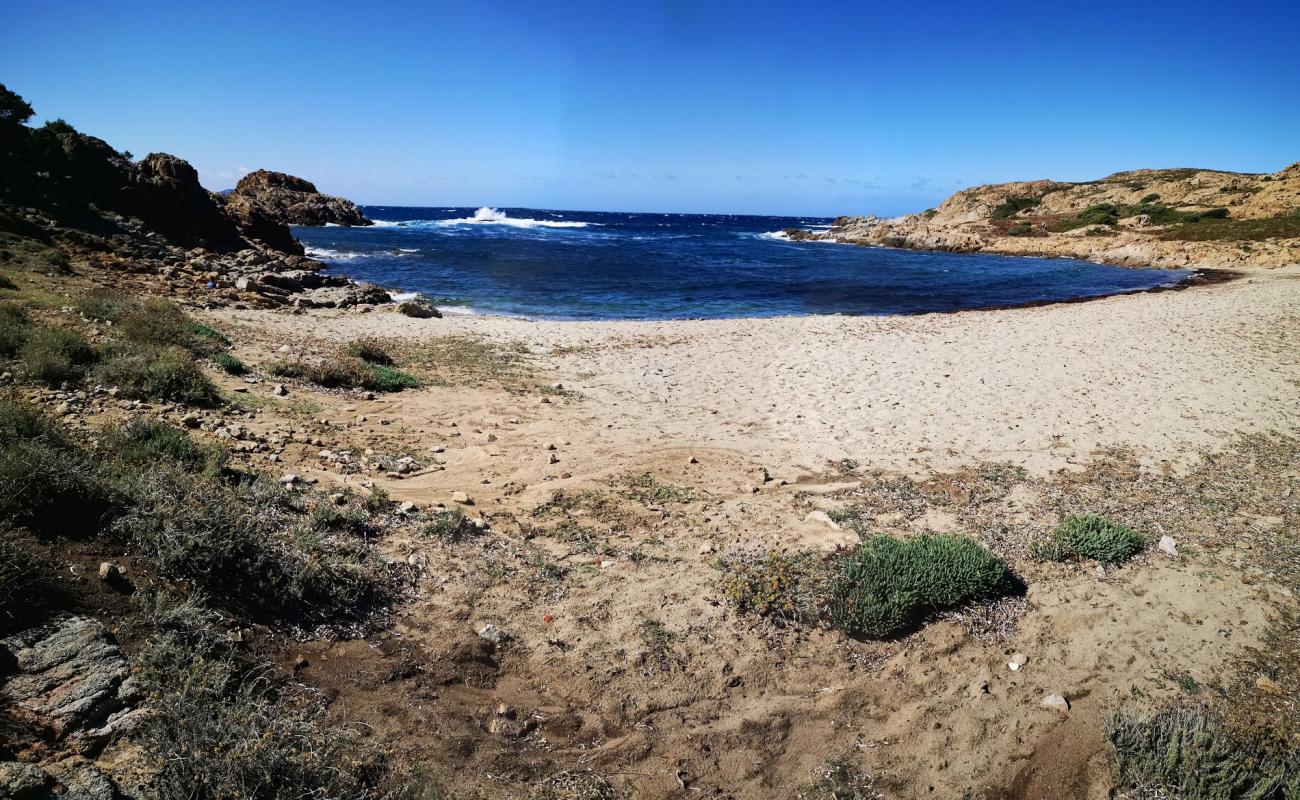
x,y
1168,546
67,676
18,780
418,310
1056,702
493,634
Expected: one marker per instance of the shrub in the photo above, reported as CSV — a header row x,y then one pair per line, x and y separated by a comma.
x,y
1189,754
1013,206
1091,537
889,585
786,587
1150,198
105,305
46,481
143,442
163,324
230,364
449,526
387,379
370,350
145,372
54,356
220,735
14,330
7,283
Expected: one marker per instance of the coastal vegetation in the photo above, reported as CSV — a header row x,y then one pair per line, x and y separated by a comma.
x,y
1091,537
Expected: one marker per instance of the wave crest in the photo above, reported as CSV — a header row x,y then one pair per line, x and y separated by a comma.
x,y
484,216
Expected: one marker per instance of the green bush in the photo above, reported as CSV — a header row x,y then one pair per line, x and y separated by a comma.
x,y
370,350
1189,754
46,481
387,379
449,526
105,305
7,283
1013,206
889,585
163,324
143,442
230,364
15,327
151,373
54,356
1091,537
1151,198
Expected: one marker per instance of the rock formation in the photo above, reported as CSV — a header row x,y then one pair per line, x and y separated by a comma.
x,y
292,201
1158,218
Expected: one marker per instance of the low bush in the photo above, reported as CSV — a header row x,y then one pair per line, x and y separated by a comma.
x,y
163,324
1192,755
347,373
47,482
1012,206
387,379
1090,537
143,442
54,356
449,526
370,350
785,587
150,373
7,283
105,305
221,734
15,327
229,364
889,585
1242,230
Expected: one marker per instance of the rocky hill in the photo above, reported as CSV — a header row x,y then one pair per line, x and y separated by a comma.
x,y
292,201
1159,218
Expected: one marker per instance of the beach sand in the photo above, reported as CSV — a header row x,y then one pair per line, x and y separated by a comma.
x,y
623,652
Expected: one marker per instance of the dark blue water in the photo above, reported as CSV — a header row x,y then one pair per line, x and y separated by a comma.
x,y
596,265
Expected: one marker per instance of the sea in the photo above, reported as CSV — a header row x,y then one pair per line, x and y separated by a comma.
x,y
596,265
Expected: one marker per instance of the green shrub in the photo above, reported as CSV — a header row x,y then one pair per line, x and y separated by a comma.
x,y
1189,754
105,305
143,442
1013,206
1091,537
151,373
387,379
1244,230
54,356
163,324
230,364
46,481
889,585
15,327
449,526
1150,198
370,350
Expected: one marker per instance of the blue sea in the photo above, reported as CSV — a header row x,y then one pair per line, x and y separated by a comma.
x,y
603,265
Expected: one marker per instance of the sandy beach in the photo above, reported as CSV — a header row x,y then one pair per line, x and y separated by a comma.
x,y
1166,373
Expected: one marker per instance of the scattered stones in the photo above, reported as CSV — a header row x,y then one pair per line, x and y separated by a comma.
x,y
1168,546
1056,702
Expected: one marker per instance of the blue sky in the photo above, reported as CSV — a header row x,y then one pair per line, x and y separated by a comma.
x,y
668,106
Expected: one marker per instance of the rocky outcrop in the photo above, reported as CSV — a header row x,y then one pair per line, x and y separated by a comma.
x,y
1140,217
290,200
165,192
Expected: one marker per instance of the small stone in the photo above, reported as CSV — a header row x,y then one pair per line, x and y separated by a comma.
x,y
1168,546
288,478
278,390
493,634
551,446
607,563
705,548
823,518
553,459
1017,661
108,571
407,507
284,348
1056,702
462,498
693,460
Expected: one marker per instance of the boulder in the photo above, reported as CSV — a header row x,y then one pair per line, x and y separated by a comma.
x,y
65,677
417,310
292,201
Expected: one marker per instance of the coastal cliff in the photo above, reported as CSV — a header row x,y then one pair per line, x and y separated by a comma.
x,y
1157,218
292,201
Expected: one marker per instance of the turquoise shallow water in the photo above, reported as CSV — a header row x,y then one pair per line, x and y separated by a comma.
x,y
603,265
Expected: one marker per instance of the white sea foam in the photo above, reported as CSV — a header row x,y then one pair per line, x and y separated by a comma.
x,y
387,223
402,297
491,216
778,235
325,254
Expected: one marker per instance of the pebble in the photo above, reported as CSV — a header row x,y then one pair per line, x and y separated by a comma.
x,y
1168,546
462,498
109,571
279,391
823,518
493,634
1056,702
289,478
1017,661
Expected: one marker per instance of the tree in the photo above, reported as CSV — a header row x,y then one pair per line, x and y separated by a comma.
x,y
13,109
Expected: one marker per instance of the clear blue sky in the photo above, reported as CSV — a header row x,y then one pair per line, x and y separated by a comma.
x,y
810,108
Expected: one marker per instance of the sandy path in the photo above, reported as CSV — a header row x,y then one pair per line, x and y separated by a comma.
x,y
1043,387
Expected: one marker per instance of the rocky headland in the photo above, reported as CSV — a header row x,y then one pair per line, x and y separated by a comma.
x,y
1168,218
291,200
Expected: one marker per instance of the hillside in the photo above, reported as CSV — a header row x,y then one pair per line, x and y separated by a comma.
x,y
1157,218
